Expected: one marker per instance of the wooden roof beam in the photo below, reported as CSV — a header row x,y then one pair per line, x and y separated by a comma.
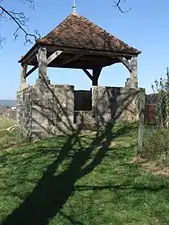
x,y
90,52
29,54
126,63
76,57
53,56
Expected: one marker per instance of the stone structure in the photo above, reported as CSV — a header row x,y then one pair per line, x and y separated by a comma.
x,y
45,108
51,109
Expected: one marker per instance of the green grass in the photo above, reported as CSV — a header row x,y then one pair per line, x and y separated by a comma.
x,y
81,180
158,153
8,137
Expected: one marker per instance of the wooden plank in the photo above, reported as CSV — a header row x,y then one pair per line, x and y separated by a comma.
x,y
53,56
31,71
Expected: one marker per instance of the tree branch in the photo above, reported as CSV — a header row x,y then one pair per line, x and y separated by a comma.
x,y
118,3
20,20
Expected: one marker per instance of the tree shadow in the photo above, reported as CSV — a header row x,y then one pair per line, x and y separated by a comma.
x,y
52,191
54,188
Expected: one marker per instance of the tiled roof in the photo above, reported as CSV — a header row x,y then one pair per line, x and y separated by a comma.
x,y
78,32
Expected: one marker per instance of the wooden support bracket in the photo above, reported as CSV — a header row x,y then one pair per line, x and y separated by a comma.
x,y
49,60
95,76
88,74
126,63
31,71
53,56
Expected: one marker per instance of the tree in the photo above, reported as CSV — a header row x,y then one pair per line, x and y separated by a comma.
x,y
19,19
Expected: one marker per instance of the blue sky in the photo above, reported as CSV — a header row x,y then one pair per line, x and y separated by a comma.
x,y
144,27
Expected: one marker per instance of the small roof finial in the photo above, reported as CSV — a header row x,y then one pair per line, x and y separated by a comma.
x,y
74,7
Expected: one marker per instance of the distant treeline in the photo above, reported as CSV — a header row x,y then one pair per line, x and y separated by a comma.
x,y
7,103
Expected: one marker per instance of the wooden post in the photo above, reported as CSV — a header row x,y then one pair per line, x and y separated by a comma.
x,y
42,61
23,83
133,66
141,118
95,77
131,82
133,73
95,81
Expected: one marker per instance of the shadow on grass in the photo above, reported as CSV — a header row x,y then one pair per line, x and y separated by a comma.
x,y
53,190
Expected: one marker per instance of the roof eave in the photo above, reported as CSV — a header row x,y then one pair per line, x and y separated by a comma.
x,y
28,53
39,43
132,52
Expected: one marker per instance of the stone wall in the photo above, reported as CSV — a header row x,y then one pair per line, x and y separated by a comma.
x,y
85,119
45,110
115,103
24,110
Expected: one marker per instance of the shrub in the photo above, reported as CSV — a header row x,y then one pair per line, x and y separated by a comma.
x,y
156,146
5,122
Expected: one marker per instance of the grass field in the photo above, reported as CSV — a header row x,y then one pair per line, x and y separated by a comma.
x,y
89,179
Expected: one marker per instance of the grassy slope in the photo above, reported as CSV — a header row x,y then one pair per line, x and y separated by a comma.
x,y
7,138
77,181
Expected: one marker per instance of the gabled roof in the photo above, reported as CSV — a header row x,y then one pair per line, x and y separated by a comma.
x,y
78,32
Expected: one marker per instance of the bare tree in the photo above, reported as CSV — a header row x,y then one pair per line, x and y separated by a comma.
x,y
19,19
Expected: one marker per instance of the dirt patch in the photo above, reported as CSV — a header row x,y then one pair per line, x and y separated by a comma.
x,y
150,166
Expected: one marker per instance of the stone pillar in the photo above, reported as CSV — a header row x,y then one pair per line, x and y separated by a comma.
x,y
42,62
23,83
